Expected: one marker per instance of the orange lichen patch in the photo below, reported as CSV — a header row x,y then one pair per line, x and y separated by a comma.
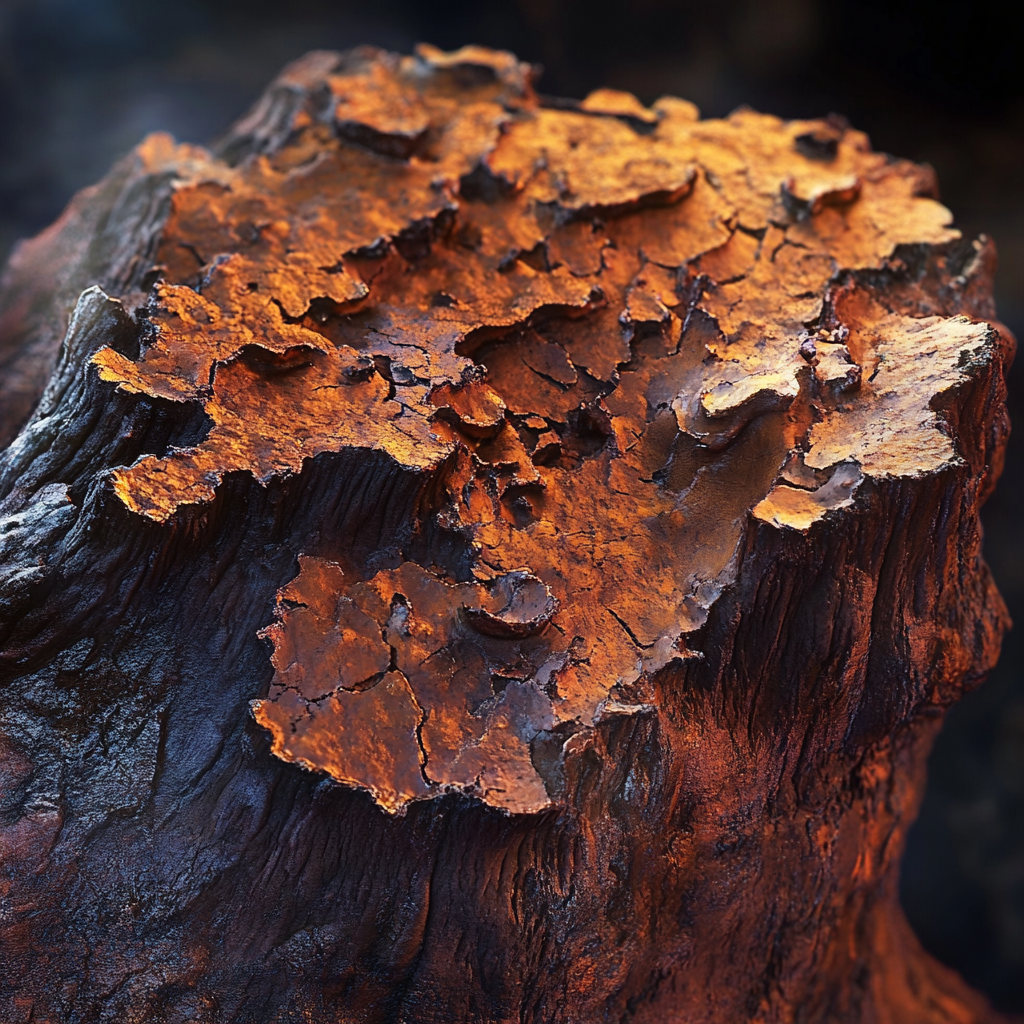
x,y
584,163
461,656
477,408
763,315
193,332
502,457
893,428
754,392
835,369
800,508
547,359
347,403
674,235
607,338
779,294
579,245
651,295
781,172
561,652
600,342
512,75
444,109
322,402
339,201
731,260
548,447
317,199
619,104
422,336
888,213
365,739
375,102
455,149
507,454
290,278
595,530
836,195
502,228
330,643
469,292
516,368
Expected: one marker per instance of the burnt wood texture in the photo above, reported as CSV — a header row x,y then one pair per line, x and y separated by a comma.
x,y
466,556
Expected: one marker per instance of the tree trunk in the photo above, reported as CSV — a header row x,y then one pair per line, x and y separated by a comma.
x,y
481,558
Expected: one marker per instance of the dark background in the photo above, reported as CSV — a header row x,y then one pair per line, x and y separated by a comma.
x,y
82,80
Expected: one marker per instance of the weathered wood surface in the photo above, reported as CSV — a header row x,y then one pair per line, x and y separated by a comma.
x,y
480,559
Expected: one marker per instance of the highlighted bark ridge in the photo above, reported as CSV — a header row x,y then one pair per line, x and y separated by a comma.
x,y
606,339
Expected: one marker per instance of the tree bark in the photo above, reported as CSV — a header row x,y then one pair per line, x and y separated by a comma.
x,y
480,558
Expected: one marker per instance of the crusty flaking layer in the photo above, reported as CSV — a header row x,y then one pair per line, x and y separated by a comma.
x,y
602,334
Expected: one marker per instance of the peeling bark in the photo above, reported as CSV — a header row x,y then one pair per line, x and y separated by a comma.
x,y
474,559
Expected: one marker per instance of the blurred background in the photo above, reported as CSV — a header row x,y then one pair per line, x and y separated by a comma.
x,y
81,81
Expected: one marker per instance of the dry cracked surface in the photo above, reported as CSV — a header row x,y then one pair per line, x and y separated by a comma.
x,y
604,337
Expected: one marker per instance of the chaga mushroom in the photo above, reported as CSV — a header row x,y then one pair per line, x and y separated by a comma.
x,y
471,559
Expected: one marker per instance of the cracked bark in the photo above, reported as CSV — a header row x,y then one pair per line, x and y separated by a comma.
x,y
474,559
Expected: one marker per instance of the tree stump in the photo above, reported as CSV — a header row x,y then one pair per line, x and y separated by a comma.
x,y
475,557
